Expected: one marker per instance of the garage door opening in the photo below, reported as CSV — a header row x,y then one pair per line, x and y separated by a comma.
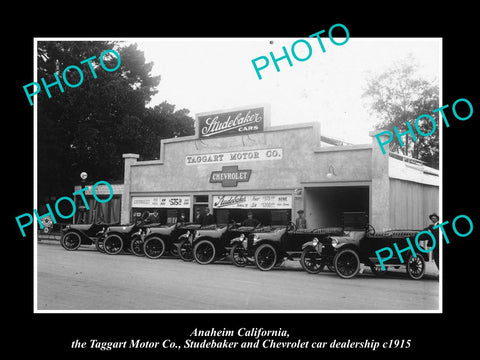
x,y
324,206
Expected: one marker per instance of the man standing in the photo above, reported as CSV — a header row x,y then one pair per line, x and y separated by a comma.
x,y
436,251
301,222
207,218
198,216
250,221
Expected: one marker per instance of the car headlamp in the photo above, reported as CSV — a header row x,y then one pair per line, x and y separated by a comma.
x,y
334,242
67,227
242,236
255,237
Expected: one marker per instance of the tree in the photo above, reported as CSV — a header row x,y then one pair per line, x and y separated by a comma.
x,y
89,127
400,95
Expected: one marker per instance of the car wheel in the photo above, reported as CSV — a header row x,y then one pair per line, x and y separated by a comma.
x,y
185,251
113,244
238,254
71,241
99,242
415,267
347,263
310,260
136,246
204,252
265,257
154,247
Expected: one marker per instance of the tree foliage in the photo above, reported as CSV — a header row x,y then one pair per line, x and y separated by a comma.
x,y
89,127
399,95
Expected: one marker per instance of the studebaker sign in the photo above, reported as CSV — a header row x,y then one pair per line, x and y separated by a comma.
x,y
238,122
252,201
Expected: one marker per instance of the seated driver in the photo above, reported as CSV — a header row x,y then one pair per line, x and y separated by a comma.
x,y
250,221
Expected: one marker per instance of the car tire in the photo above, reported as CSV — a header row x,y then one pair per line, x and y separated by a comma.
x,y
136,246
99,244
113,244
309,260
238,255
347,263
185,251
415,267
204,252
154,247
71,241
265,257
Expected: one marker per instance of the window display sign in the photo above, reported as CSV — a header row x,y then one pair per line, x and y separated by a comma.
x,y
240,122
252,201
161,202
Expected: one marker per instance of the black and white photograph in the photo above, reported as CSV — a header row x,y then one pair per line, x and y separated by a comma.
x,y
244,198
307,189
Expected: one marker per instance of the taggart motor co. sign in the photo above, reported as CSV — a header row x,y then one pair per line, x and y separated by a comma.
x,y
238,122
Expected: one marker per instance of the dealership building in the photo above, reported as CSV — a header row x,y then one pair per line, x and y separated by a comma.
x,y
237,162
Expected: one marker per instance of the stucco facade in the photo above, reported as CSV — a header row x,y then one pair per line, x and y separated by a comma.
x,y
281,160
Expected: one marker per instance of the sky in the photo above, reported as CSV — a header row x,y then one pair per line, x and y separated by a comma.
x,y
207,74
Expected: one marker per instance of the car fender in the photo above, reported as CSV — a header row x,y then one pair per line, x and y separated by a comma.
x,y
266,241
200,238
82,235
149,236
346,245
236,240
307,244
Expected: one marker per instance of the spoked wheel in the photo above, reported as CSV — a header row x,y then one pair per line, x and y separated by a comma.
x,y
347,263
154,247
113,244
99,244
136,246
71,241
238,254
265,257
185,251
204,252
310,260
416,267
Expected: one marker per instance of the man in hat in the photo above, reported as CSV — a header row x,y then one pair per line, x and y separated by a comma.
x,y
434,218
250,221
301,222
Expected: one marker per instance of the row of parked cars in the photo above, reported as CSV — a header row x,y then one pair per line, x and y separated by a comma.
x,y
340,249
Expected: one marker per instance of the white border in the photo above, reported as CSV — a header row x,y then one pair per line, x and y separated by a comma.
x,y
133,39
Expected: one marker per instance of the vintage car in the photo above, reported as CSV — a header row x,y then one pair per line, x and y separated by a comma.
x,y
318,253
119,237
270,246
82,234
164,239
213,242
358,247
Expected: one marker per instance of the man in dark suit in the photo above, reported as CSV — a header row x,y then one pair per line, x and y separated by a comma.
x,y
208,218
436,251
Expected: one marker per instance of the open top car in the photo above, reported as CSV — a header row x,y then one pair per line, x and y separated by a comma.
x,y
82,234
161,239
269,246
358,247
213,242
